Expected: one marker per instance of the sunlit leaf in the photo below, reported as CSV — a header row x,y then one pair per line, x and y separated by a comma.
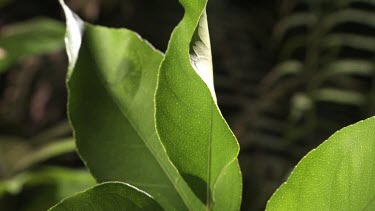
x,y
114,196
111,107
112,81
197,138
338,175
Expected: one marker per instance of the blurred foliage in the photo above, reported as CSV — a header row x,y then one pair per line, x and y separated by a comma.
x,y
32,37
18,155
4,2
292,79
43,188
288,73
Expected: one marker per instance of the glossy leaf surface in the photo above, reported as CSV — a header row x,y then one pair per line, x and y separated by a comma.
x,y
189,123
338,175
111,107
112,82
114,196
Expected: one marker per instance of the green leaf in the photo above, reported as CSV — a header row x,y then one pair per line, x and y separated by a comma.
x,y
69,180
345,68
338,96
197,138
228,188
285,68
301,19
348,15
109,196
52,185
370,206
350,67
337,40
338,175
112,81
33,37
111,107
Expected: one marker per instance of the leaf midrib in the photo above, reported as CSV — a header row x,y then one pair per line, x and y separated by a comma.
x,y
209,201
181,192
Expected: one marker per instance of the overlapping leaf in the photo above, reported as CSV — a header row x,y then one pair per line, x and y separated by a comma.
x,y
114,196
189,123
112,81
111,107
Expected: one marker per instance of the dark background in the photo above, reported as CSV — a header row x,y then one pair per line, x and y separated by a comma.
x,y
288,73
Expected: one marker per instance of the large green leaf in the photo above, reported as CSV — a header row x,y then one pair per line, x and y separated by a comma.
x,y
228,188
33,37
197,138
111,85
338,175
114,196
370,206
112,81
